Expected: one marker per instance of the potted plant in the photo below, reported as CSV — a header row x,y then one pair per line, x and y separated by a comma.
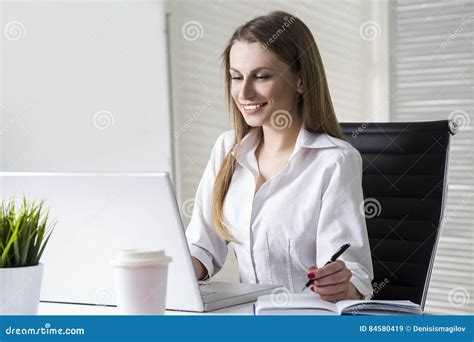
x,y
24,233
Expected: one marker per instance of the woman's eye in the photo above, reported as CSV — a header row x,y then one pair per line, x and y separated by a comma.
x,y
258,77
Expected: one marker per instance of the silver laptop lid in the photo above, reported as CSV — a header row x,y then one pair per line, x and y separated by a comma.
x,y
98,214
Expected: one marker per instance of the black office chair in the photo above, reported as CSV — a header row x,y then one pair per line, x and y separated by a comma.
x,y
405,183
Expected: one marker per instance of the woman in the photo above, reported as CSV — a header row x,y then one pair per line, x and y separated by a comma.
x,y
283,187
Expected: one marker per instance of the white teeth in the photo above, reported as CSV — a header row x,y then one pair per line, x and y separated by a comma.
x,y
252,107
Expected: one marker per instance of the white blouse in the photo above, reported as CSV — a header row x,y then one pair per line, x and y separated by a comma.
x,y
298,218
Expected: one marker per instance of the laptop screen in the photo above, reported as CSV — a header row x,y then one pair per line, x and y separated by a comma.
x,y
98,214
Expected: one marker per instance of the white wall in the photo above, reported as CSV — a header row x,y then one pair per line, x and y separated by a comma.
x,y
84,86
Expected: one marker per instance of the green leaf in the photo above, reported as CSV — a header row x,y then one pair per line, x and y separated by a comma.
x,y
7,248
42,248
23,232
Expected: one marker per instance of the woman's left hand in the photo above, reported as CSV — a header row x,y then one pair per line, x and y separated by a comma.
x,y
332,282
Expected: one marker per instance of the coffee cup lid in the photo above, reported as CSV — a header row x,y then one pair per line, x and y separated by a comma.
x,y
140,257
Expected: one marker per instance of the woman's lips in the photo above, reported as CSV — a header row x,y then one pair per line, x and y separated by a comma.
x,y
253,108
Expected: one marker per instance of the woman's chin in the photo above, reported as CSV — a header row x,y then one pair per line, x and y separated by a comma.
x,y
254,120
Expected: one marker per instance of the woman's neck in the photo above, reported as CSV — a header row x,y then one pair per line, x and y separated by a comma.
x,y
275,142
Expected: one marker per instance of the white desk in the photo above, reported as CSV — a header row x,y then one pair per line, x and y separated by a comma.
x,y
55,309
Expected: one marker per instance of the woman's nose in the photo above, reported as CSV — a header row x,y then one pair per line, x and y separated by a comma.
x,y
247,91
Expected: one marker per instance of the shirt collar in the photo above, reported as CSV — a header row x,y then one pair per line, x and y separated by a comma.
x,y
248,146
306,139
313,140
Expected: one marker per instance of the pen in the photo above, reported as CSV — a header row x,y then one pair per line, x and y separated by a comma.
x,y
336,255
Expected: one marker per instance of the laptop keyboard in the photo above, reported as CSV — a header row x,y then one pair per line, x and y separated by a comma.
x,y
204,288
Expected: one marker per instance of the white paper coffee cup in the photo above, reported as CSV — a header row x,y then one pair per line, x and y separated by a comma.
x,y
140,281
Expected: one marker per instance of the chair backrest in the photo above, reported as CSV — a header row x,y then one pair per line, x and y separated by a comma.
x,y
404,182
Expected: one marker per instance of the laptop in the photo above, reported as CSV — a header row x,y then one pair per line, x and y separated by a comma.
x,y
98,214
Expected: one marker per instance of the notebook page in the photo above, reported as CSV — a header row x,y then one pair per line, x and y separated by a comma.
x,y
295,301
392,305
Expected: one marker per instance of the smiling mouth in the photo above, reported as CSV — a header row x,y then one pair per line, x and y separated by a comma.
x,y
253,108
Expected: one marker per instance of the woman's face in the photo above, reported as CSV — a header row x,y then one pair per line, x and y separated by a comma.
x,y
261,83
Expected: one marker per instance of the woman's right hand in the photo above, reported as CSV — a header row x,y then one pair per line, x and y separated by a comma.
x,y
199,269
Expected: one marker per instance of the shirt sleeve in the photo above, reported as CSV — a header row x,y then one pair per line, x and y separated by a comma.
x,y
204,242
341,220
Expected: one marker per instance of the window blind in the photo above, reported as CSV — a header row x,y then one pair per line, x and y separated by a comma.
x,y
432,78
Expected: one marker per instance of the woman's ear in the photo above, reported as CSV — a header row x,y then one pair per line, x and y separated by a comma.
x,y
299,85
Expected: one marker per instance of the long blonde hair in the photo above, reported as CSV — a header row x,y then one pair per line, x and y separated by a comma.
x,y
291,40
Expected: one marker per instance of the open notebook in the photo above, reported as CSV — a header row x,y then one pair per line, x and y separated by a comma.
x,y
311,304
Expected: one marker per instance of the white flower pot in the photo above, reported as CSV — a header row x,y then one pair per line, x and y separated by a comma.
x,y
20,289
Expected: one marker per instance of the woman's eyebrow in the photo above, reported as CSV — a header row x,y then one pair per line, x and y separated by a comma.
x,y
256,69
